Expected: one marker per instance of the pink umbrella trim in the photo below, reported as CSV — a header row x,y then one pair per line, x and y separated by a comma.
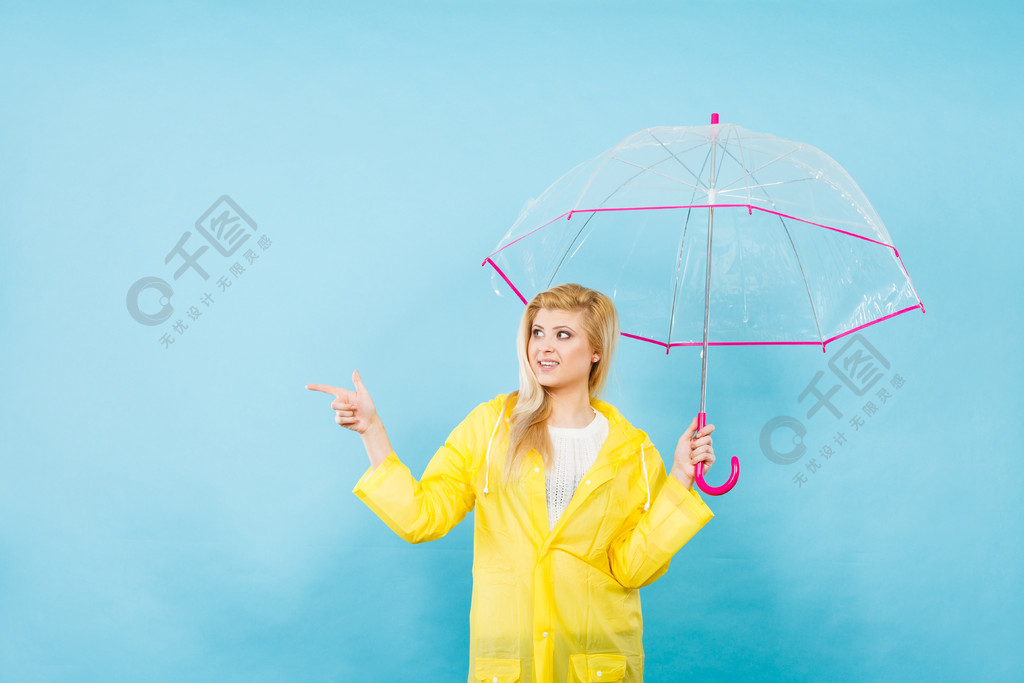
x,y
505,278
668,346
749,207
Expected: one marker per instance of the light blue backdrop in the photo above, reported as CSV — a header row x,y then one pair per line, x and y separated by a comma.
x,y
183,511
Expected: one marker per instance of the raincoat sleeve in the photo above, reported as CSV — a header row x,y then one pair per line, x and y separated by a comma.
x,y
427,509
643,551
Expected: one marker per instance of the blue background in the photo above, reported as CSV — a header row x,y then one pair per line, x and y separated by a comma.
x,y
184,512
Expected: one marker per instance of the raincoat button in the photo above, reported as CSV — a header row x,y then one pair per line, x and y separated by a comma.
x,y
598,674
544,635
495,679
588,482
536,469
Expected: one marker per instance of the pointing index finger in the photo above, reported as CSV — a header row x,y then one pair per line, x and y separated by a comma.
x,y
328,389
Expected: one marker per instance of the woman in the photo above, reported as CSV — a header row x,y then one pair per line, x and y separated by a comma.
x,y
574,511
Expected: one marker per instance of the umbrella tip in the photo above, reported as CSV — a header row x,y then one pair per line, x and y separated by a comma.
x,y
714,119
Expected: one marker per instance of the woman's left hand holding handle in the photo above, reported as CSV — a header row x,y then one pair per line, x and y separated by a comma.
x,y
693,447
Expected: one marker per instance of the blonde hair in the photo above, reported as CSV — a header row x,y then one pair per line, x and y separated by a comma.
x,y
533,406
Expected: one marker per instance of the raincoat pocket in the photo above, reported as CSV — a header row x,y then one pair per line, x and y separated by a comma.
x,y
597,668
497,671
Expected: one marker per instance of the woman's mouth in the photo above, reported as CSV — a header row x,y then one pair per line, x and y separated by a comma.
x,y
547,365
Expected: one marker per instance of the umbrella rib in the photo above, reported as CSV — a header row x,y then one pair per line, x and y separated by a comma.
x,y
747,188
643,169
611,154
624,183
743,164
725,150
803,275
674,156
767,198
607,155
679,263
750,173
649,169
799,262
739,251
569,248
675,287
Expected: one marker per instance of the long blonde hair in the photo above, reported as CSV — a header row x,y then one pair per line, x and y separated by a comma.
x,y
533,406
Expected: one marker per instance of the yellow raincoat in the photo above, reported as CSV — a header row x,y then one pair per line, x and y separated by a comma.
x,y
559,605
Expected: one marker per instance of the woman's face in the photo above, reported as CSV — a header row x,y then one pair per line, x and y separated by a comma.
x,y
559,351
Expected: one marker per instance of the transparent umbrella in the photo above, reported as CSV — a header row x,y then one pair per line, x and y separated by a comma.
x,y
712,235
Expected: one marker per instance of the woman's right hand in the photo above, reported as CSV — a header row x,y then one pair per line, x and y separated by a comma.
x,y
353,409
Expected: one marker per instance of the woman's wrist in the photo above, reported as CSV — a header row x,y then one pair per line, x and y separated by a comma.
x,y
376,442
682,477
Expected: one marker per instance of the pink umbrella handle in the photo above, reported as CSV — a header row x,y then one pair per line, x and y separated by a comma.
x,y
698,470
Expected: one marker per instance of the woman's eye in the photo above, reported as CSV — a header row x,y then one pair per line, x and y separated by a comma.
x,y
537,333
564,335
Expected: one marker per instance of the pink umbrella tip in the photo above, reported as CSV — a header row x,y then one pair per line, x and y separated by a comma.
x,y
714,119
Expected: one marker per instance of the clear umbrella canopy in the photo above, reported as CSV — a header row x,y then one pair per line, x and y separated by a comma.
x,y
798,254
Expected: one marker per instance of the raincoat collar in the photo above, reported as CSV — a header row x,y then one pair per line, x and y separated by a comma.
x,y
623,443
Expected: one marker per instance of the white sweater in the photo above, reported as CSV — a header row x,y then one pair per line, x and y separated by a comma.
x,y
575,451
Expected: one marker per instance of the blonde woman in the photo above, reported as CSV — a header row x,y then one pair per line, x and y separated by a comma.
x,y
574,510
